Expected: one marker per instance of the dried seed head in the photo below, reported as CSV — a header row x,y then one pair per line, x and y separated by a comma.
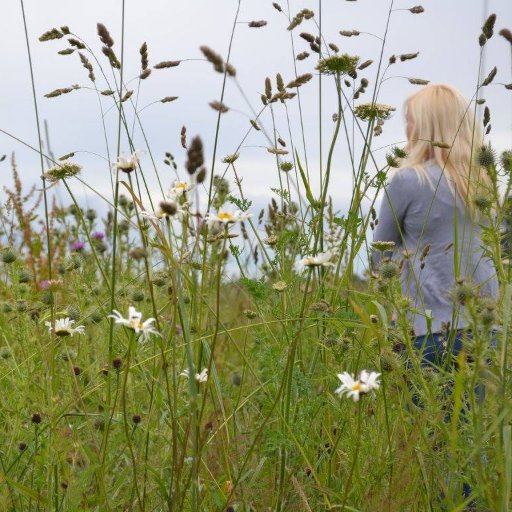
x,y
302,56
231,159
59,92
257,24
138,253
310,38
105,36
201,175
54,33
136,419
408,56
111,56
195,158
277,7
296,21
218,106
349,33
76,43
482,39
277,151
507,34
230,69
300,80
127,95
314,47
487,116
168,207
183,137
418,81
392,59
508,86
488,27
214,58
268,88
334,48
417,9
255,125
144,56
280,83
338,64
167,64
145,74
490,76
365,64
36,418
66,51
117,363
168,99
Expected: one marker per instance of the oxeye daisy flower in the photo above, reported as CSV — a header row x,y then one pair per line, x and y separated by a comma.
x,y
64,327
135,323
179,189
353,388
128,163
200,377
225,217
320,260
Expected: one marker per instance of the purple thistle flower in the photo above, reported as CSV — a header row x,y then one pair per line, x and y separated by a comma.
x,y
77,246
98,235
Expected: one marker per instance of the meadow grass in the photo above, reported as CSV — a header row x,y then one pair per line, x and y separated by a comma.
x,y
214,385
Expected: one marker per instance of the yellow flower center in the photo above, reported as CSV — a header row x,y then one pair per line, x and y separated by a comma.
x,y
134,324
356,386
181,185
225,216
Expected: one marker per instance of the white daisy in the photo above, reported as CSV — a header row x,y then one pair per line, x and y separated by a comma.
x,y
128,164
320,260
225,217
200,377
64,327
135,323
179,189
353,388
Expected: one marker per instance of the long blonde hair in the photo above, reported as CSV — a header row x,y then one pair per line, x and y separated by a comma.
x,y
443,128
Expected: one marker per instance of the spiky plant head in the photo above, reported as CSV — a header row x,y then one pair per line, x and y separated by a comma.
x,y
388,269
369,111
338,64
506,160
486,157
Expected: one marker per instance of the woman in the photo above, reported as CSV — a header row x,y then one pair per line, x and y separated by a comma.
x,y
429,213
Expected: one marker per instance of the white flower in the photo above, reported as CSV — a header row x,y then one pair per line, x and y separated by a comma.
x,y
128,164
135,323
320,260
225,217
64,327
179,189
166,210
367,382
200,377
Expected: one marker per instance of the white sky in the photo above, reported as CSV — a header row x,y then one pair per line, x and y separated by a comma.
x,y
445,35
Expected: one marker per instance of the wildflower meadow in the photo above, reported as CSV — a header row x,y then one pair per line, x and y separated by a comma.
x,y
174,339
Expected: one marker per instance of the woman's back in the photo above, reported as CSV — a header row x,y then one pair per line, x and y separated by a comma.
x,y
423,216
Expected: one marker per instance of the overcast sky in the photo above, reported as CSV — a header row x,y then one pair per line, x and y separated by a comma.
x,y
445,34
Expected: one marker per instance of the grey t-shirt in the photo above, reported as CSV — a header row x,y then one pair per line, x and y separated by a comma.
x,y
415,213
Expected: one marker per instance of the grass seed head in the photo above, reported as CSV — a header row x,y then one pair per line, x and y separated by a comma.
x,y
105,36
257,24
54,33
488,27
195,158
167,64
507,34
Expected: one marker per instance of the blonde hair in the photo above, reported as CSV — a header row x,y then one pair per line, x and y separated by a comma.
x,y
440,115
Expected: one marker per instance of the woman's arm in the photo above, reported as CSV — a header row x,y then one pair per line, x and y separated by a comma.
x,y
398,195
